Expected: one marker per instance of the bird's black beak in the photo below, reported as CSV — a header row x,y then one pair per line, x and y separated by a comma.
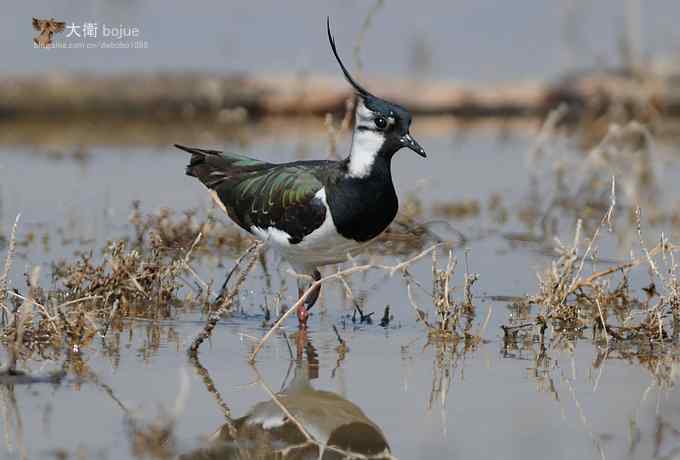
x,y
409,142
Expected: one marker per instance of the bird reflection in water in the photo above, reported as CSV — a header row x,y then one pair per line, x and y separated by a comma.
x,y
299,422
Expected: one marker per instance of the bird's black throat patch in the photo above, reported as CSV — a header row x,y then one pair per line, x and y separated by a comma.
x,y
362,208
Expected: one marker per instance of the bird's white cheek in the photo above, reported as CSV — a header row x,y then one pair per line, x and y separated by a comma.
x,y
365,146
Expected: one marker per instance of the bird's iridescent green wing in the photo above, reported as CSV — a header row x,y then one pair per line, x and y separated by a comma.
x,y
260,194
280,196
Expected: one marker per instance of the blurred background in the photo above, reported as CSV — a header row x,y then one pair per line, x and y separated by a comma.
x,y
484,40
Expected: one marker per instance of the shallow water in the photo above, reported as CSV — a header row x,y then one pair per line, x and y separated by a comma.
x,y
427,400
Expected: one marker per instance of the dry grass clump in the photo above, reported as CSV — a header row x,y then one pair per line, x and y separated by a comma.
x,y
171,232
451,331
88,297
134,280
581,296
578,293
449,312
453,318
150,278
26,323
571,301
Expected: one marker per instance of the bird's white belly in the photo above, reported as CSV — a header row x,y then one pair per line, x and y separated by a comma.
x,y
321,247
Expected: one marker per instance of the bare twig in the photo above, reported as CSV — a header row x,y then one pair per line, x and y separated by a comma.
x,y
420,313
606,219
11,247
470,280
222,298
185,262
228,299
604,324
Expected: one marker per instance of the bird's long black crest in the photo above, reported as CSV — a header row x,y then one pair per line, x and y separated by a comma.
x,y
359,89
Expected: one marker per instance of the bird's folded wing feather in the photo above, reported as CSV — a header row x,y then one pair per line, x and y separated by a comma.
x,y
278,196
261,194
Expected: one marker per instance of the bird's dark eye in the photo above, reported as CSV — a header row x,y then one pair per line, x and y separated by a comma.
x,y
380,122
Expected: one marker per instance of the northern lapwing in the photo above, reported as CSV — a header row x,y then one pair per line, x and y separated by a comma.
x,y
316,212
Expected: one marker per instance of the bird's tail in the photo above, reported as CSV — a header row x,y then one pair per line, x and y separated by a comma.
x,y
211,167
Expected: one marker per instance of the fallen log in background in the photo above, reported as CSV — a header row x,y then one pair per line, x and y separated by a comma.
x,y
171,96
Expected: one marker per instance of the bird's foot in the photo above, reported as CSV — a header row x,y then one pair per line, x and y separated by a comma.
x,y
363,318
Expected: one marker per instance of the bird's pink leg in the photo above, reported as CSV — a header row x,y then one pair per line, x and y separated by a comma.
x,y
303,310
